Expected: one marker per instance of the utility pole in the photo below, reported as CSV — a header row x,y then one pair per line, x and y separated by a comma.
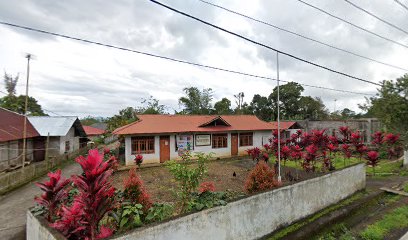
x,y
279,137
28,56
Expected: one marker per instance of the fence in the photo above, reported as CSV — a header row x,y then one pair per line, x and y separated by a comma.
x,y
18,177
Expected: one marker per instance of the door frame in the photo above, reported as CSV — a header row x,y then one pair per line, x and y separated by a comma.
x,y
234,150
164,153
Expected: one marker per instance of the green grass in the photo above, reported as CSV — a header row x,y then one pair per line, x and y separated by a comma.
x,y
338,161
396,219
406,187
280,234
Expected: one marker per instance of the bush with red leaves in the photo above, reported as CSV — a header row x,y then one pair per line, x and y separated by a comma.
x,y
378,139
261,178
139,160
135,192
345,132
54,193
94,200
206,187
255,153
372,159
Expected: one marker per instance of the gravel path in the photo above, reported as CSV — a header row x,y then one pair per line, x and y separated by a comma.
x,y
14,205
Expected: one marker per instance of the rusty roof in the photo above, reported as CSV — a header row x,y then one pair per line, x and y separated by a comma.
x,y
154,124
12,126
92,131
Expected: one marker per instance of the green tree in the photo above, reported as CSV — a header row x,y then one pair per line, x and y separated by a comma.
x,y
17,104
223,107
312,108
89,120
390,106
151,106
196,101
125,116
289,95
261,107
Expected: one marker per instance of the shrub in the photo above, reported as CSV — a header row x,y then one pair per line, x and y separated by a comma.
x,y
207,199
53,193
139,160
135,192
255,153
188,176
206,187
260,178
372,158
159,212
94,200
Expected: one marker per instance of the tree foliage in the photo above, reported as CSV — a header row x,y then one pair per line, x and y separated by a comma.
x,y
10,83
223,107
151,106
196,101
125,116
390,106
17,104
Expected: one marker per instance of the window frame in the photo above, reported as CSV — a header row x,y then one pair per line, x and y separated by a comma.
x,y
148,142
215,138
250,140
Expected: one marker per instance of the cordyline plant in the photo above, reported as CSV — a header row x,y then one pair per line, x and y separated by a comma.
x,y
346,151
138,160
94,200
393,146
255,153
54,193
372,159
261,178
345,132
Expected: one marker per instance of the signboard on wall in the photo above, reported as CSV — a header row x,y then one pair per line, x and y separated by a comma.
x,y
184,143
202,139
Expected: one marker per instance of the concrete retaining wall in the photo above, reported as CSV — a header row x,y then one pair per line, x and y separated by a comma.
x,y
252,217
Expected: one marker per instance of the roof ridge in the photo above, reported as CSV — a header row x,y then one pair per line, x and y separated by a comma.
x,y
126,126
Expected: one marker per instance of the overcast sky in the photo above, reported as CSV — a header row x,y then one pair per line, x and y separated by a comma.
x,y
74,78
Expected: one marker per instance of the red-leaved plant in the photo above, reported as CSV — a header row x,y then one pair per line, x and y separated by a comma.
x,y
54,193
260,178
255,153
135,192
206,187
372,159
95,197
139,160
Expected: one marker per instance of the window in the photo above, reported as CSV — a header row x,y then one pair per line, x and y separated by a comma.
x,y
142,145
220,140
246,139
67,146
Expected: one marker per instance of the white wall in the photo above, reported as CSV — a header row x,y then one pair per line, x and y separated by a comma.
x,y
73,141
259,138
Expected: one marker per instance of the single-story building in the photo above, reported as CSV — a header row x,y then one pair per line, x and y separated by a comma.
x,y
93,133
162,137
11,140
65,133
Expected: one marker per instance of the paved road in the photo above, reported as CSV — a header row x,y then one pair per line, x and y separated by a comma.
x,y
14,205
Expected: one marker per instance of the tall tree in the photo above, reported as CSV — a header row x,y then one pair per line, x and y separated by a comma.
x,y
151,106
17,104
196,101
10,83
125,116
239,100
223,107
312,108
390,106
289,96
261,107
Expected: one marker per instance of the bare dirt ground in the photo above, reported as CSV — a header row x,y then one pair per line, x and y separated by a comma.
x,y
161,185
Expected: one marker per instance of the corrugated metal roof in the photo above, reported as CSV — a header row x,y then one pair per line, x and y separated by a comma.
x,y
12,125
55,125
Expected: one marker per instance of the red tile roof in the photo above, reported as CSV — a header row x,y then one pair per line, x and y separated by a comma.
x,y
153,124
285,125
12,126
91,131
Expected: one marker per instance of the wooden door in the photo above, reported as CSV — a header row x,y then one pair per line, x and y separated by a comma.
x,y
39,149
234,144
164,148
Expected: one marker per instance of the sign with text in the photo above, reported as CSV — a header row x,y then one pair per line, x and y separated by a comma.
x,y
184,143
203,140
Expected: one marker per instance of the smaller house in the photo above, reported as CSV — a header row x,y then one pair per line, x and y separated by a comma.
x,y
11,140
65,133
93,133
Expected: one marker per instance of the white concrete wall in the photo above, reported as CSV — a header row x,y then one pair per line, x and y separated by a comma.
x,y
406,158
73,141
248,218
259,138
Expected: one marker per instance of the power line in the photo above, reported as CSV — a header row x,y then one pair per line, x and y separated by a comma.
x,y
376,17
302,36
401,4
354,25
263,45
174,59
